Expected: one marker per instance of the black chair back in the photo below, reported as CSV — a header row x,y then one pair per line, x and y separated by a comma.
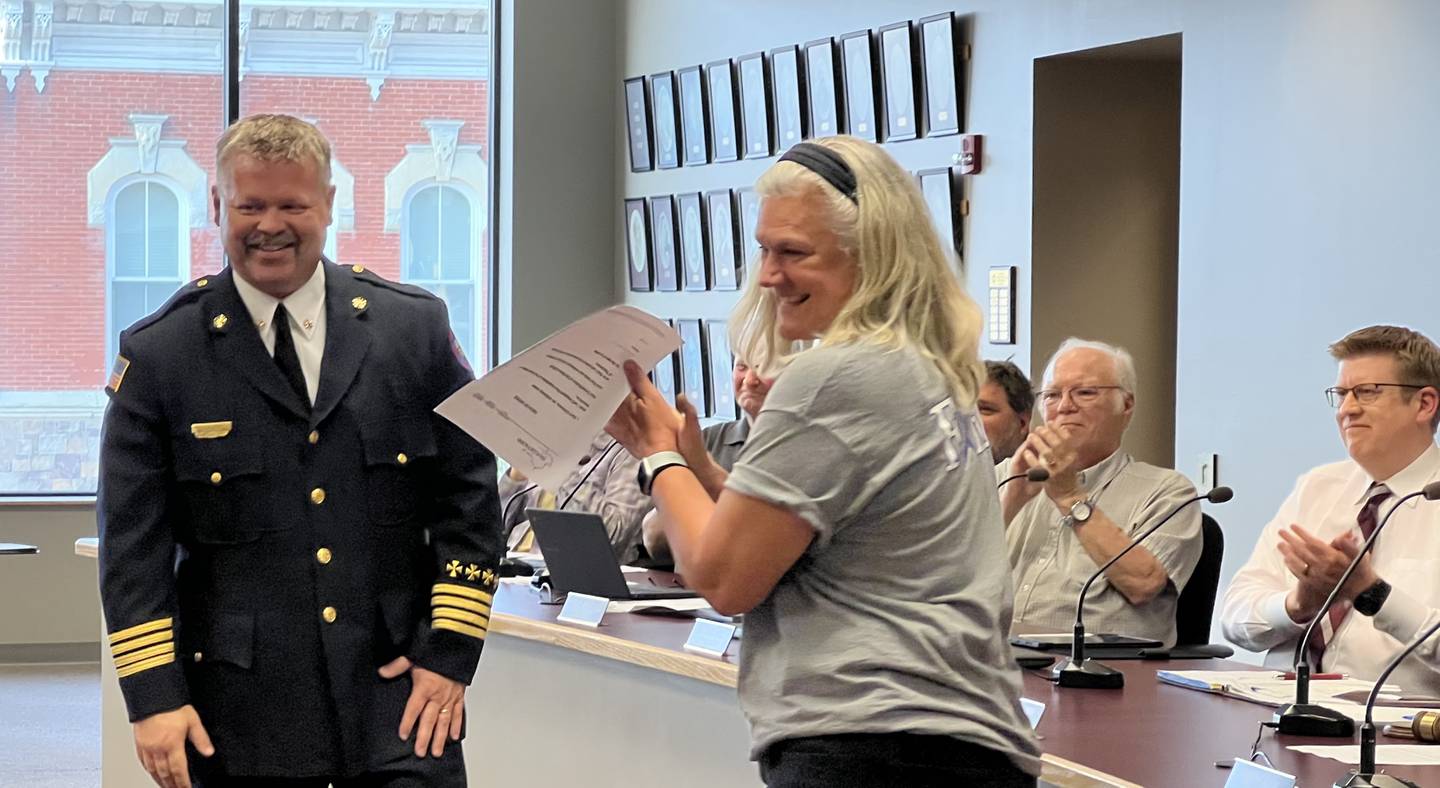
x,y
1197,602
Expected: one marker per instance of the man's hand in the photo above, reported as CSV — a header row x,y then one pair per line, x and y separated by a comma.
x,y
1052,450
1317,565
437,703
160,743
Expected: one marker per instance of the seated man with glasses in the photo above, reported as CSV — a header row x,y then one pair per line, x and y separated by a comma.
x,y
1096,500
1387,401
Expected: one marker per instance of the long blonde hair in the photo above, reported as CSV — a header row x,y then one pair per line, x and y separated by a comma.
x,y
906,294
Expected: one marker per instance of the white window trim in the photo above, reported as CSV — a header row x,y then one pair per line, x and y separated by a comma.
x,y
473,195
147,153
342,216
182,248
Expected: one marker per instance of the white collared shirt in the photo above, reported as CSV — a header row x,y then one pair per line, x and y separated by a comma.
x,y
1326,502
307,321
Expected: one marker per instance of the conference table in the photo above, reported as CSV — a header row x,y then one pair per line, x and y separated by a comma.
x,y
9,548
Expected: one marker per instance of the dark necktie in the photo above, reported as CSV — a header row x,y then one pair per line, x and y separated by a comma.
x,y
285,357
1367,521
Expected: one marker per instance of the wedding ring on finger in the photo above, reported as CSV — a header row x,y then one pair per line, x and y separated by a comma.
x,y
444,711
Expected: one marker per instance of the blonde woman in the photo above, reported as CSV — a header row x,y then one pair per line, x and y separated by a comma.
x,y
859,531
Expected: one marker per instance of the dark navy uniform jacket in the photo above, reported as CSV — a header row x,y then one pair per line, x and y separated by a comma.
x,y
260,559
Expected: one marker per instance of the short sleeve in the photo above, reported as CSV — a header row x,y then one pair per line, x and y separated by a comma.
x,y
1178,544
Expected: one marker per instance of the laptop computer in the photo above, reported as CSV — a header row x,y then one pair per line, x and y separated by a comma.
x,y
1061,641
578,554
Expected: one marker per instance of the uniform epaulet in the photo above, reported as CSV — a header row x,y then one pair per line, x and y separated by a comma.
x,y
364,274
184,295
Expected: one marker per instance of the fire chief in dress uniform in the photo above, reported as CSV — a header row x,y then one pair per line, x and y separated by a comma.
x,y
296,555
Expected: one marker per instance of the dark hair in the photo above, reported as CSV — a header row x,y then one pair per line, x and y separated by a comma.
x,y
1017,387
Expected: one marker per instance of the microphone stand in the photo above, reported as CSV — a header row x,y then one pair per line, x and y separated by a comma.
x,y
1032,475
1365,776
1302,717
1082,672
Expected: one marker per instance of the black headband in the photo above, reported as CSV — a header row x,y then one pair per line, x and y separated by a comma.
x,y
827,164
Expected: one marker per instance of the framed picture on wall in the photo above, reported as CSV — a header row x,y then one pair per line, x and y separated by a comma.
x,y
749,206
755,104
787,97
724,260
725,141
665,242
664,374
825,105
667,120
941,188
941,76
722,390
637,245
694,243
637,123
694,117
692,364
897,71
857,59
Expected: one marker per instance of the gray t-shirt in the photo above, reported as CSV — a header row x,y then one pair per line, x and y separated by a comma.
x,y
897,617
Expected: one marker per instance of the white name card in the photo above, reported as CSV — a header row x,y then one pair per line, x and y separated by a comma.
x,y
1249,774
583,609
1034,710
710,638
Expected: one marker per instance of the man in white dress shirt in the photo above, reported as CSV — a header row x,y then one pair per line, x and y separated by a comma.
x,y
1387,400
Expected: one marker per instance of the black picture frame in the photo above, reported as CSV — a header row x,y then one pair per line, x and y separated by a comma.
x,y
724,251
637,124
637,246
825,104
787,97
693,380
694,116
857,65
899,87
754,78
941,75
722,363
941,188
747,211
664,373
694,241
724,110
665,243
665,108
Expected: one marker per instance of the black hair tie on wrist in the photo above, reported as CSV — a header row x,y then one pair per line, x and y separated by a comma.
x,y
827,164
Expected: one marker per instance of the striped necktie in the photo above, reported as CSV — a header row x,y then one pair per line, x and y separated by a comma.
x,y
1367,521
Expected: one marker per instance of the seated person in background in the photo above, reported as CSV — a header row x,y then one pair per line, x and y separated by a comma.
x,y
1386,399
723,441
1096,500
603,483
1005,405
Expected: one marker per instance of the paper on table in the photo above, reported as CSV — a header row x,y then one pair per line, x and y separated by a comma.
x,y
541,409
693,603
1385,754
1383,714
1261,686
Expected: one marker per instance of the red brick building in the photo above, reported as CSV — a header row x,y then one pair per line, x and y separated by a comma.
x,y
109,116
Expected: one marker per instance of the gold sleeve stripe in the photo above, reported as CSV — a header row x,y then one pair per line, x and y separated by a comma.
x,y
144,654
465,591
138,643
141,629
460,615
141,667
443,600
456,626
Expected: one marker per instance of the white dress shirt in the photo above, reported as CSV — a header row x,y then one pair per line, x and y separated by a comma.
x,y
307,321
1326,502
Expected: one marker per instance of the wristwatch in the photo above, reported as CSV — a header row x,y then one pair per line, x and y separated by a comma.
x,y
651,466
1369,601
1079,513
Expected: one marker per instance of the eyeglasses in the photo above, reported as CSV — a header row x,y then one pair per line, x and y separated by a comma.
x,y
1082,396
1365,393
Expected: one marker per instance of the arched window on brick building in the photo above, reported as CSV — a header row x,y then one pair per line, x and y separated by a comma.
x,y
440,251
147,251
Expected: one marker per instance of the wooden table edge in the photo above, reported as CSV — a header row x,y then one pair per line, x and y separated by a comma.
x,y
1069,774
598,644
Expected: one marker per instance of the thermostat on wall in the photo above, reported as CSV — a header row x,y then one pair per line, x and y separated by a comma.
x,y
1002,305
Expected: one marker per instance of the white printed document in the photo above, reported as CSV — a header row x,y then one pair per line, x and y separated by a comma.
x,y
540,410
1385,754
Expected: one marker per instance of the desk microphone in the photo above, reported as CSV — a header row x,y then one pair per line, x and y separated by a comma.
x,y
1078,670
1033,475
1365,776
1302,717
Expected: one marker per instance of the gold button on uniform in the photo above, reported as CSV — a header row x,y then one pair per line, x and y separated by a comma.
x,y
313,437
198,656
359,269
317,496
323,555
329,614
216,478
202,282
401,458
